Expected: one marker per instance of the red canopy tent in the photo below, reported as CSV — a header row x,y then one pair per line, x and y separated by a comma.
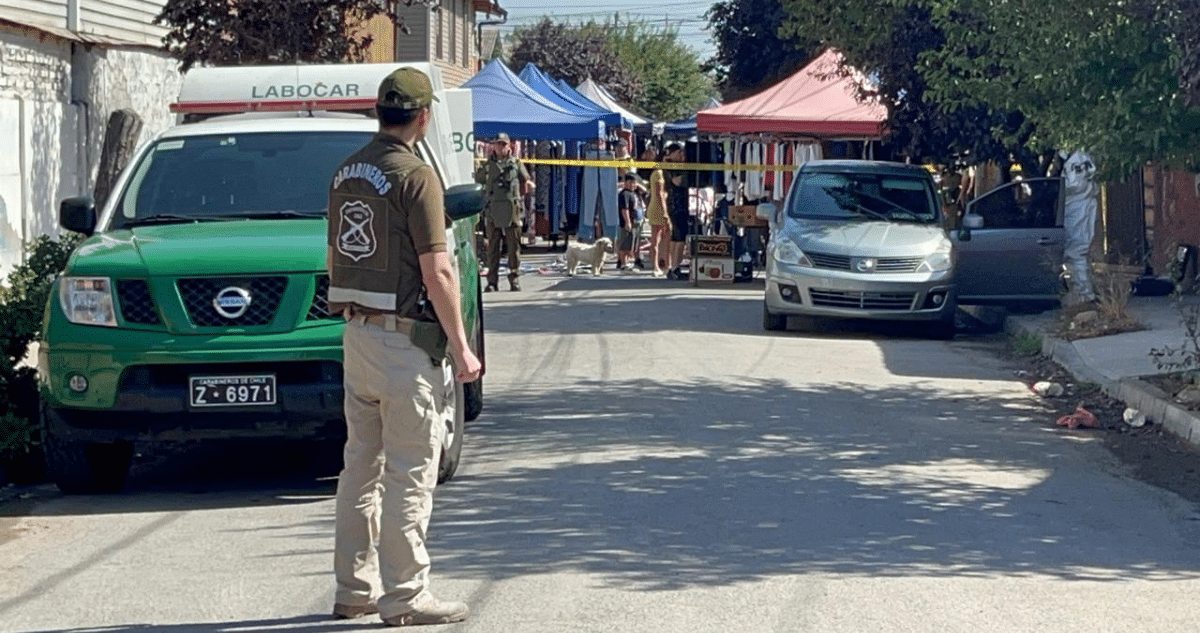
x,y
813,102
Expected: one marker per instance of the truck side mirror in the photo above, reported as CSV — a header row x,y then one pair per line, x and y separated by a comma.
x,y
464,201
78,214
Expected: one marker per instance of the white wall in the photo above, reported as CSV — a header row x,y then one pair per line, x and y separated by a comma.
x,y
55,99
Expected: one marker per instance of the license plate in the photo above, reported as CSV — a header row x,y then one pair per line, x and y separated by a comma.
x,y
232,391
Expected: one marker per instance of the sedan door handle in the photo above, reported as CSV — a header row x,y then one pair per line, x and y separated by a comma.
x,y
1047,241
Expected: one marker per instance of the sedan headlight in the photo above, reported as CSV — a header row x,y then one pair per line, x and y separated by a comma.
x,y
786,252
940,260
87,300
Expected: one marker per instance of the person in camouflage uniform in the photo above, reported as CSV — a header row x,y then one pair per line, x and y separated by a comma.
x,y
505,181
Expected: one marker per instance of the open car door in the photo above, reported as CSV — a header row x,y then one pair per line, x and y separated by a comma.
x,y
1010,244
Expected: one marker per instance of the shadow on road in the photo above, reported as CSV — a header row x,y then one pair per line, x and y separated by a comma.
x,y
182,476
299,624
664,491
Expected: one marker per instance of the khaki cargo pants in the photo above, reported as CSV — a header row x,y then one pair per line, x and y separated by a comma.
x,y
499,235
394,395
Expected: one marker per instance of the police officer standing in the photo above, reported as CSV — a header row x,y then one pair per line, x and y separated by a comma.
x,y
391,277
505,182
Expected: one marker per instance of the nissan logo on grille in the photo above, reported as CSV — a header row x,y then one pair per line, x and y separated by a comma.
x,y
232,302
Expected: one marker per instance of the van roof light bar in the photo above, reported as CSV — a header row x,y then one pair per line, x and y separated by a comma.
x,y
236,89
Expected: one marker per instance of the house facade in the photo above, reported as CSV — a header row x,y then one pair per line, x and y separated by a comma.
x,y
444,32
65,66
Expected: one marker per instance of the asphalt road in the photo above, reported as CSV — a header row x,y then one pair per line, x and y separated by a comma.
x,y
650,460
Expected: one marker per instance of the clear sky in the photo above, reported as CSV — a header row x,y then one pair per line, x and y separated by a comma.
x,y
687,17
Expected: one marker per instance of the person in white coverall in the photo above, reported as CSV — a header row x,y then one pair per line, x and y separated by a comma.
x,y
1081,206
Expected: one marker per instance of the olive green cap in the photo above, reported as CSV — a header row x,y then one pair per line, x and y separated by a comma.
x,y
405,89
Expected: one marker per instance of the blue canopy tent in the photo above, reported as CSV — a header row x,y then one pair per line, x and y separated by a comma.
x,y
596,204
504,103
549,88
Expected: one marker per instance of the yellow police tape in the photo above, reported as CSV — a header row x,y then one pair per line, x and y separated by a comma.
x,y
644,164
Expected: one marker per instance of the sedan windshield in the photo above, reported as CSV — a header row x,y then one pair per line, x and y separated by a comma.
x,y
865,196
235,176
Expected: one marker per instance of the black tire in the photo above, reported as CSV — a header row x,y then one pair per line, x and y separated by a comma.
x,y
940,330
473,391
773,322
85,468
944,328
452,441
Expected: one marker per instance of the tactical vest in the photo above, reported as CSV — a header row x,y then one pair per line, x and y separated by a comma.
x,y
374,264
502,179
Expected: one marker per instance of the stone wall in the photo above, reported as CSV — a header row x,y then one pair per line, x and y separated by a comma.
x,y
56,95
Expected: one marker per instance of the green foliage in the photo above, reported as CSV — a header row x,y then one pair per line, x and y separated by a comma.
x,y
674,84
646,68
573,54
225,33
22,308
1026,344
751,53
1015,79
1096,74
887,42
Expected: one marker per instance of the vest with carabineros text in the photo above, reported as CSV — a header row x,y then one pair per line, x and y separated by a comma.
x,y
386,209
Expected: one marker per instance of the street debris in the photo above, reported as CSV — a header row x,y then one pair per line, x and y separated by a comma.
x,y
1081,417
1188,396
1048,389
1134,418
1084,319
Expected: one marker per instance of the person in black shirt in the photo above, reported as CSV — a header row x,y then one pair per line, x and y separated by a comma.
x,y
679,213
627,212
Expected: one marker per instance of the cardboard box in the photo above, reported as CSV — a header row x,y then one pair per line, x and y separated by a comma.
x,y
745,215
712,246
712,270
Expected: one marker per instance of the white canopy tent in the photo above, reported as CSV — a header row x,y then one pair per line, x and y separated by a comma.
x,y
604,98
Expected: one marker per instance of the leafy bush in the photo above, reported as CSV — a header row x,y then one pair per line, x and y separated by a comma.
x,y
22,306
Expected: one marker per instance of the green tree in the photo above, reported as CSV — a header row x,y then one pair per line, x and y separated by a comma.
x,y
228,33
990,79
1104,75
674,83
751,53
574,53
886,41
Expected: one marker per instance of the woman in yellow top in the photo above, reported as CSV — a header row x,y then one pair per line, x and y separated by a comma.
x,y
660,222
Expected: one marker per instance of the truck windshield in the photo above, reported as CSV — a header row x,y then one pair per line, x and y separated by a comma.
x,y
231,176
863,196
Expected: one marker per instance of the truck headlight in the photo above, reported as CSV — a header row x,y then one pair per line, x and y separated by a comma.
x,y
786,252
87,300
940,260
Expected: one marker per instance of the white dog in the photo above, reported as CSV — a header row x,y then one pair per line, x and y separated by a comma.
x,y
588,254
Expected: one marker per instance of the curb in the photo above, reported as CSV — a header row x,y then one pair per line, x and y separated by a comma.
x,y
1141,395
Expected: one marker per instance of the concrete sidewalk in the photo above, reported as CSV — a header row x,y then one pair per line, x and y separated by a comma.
x,y
1117,362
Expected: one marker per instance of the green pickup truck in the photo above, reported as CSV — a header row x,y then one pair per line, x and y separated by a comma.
x,y
196,308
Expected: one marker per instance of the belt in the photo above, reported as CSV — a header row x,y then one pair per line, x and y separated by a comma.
x,y
389,322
